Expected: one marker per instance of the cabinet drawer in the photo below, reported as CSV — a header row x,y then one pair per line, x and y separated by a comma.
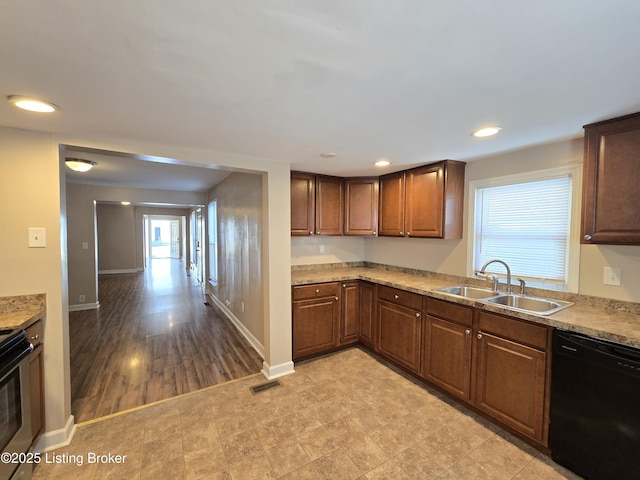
x,y
400,297
523,332
316,290
35,332
450,311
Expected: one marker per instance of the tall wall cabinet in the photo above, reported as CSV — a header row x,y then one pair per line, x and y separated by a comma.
x,y
610,213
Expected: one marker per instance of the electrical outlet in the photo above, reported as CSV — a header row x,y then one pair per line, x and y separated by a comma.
x,y
82,298
322,249
37,238
612,276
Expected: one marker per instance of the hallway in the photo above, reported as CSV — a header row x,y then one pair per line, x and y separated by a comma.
x,y
152,338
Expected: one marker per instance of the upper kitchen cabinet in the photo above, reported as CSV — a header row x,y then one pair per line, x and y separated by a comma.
x,y
303,203
329,205
317,204
610,197
423,202
391,212
361,206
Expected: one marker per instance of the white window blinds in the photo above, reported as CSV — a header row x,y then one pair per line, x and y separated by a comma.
x,y
527,225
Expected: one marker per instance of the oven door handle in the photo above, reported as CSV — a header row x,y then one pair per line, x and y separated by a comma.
x,y
17,355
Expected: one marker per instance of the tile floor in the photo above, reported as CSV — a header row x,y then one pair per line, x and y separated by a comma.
x,y
344,416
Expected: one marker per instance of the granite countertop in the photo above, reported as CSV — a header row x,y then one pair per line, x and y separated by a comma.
x,y
597,317
21,311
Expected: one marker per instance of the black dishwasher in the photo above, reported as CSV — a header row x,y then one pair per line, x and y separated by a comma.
x,y
595,407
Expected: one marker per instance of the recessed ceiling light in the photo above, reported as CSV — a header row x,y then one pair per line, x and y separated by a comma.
x,y
32,104
486,132
79,165
382,163
328,154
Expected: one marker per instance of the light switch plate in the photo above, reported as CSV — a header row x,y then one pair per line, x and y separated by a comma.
x,y
612,276
37,238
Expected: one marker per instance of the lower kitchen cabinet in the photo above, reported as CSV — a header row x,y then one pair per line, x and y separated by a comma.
x,y
511,374
36,387
316,318
446,360
366,333
350,317
399,322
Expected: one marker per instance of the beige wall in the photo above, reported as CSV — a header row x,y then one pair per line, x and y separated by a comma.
x,y
326,249
116,226
240,282
30,192
451,256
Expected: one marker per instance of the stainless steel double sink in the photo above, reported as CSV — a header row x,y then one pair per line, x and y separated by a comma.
x,y
522,303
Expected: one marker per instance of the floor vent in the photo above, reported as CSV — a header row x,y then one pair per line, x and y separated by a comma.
x,y
265,386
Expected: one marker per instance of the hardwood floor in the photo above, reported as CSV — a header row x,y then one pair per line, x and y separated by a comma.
x,y
152,338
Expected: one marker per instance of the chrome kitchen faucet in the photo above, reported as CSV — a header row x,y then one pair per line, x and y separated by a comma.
x,y
493,278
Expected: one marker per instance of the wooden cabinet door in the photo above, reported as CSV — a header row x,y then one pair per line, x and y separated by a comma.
x,y
36,392
303,203
399,334
391,210
447,356
610,212
350,313
510,384
329,205
361,201
367,313
424,201
315,325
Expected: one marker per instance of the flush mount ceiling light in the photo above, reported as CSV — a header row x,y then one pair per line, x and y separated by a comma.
x,y
383,162
125,203
328,154
486,132
79,165
32,104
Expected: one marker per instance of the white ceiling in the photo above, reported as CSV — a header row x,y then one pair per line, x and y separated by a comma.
x,y
407,79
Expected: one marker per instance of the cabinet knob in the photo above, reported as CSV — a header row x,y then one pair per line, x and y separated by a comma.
x,y
401,233
35,337
336,298
417,315
408,233
479,336
375,233
344,285
396,296
310,233
318,232
587,237
467,331
317,290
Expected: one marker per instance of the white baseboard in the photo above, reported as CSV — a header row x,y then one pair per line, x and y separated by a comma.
x,y
56,438
123,270
276,371
84,306
255,343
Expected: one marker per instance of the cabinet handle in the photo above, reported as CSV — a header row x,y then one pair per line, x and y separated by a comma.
x,y
587,237
479,336
317,290
396,296
467,331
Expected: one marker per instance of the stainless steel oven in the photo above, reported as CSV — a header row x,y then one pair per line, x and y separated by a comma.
x,y
15,414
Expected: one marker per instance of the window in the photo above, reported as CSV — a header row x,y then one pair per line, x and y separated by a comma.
x,y
526,221
213,242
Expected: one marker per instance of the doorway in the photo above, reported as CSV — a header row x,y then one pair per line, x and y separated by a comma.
x,y
163,236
